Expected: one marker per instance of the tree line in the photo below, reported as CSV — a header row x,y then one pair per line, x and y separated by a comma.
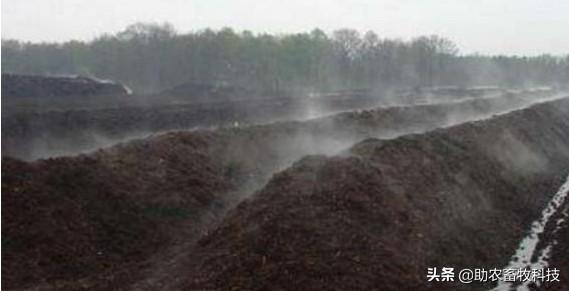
x,y
153,57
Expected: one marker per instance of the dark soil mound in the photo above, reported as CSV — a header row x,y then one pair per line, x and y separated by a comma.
x,y
33,135
68,218
380,216
160,194
41,129
22,86
194,91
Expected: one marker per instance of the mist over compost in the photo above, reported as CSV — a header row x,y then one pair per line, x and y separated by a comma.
x,y
40,134
408,203
221,160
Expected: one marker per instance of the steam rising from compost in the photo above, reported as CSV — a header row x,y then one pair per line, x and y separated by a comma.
x,y
314,160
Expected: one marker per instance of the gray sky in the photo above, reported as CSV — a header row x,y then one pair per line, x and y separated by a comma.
x,y
527,27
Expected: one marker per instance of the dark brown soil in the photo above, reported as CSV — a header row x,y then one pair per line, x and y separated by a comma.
x,y
26,86
380,216
68,218
33,134
128,217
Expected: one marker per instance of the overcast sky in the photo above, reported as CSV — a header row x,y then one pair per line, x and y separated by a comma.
x,y
527,27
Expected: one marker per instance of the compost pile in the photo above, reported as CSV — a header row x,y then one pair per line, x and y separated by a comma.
x,y
19,86
68,218
385,211
203,210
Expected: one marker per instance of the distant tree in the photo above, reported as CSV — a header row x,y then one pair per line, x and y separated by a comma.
x,y
153,56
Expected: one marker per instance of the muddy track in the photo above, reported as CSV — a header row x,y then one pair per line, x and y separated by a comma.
x,y
556,234
166,191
